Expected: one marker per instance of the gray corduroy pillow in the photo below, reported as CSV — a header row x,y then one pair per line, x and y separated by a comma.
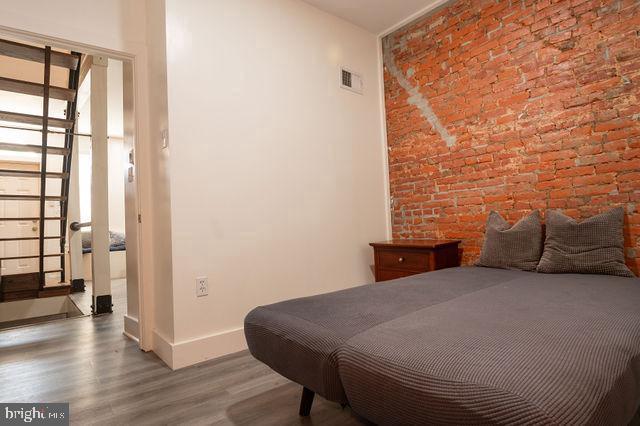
x,y
593,246
512,247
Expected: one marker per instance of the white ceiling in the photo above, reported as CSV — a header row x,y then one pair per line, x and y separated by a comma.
x,y
376,16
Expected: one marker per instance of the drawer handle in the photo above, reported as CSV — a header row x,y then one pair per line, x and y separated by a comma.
x,y
401,259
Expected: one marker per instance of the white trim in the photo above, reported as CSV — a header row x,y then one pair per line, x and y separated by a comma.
x,y
193,351
131,336
163,348
204,348
385,144
141,148
131,328
413,17
60,43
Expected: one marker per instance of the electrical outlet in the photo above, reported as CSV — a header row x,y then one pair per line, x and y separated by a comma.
x,y
202,286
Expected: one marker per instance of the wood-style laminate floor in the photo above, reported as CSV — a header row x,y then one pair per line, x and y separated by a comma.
x,y
107,380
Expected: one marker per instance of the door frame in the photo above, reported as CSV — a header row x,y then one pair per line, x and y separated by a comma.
x,y
135,63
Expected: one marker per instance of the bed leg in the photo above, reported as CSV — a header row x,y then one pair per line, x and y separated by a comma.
x,y
306,401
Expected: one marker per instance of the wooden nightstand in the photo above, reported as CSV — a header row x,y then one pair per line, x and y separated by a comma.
x,y
401,258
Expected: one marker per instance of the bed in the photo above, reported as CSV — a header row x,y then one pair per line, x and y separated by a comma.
x,y
117,254
466,345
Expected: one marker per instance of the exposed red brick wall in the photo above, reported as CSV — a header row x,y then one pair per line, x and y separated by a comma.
x,y
543,100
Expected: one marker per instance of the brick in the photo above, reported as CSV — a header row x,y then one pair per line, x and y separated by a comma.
x,y
557,155
618,166
612,125
542,98
576,171
556,183
626,177
593,180
596,189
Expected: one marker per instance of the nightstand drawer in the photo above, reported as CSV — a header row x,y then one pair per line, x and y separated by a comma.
x,y
401,258
407,260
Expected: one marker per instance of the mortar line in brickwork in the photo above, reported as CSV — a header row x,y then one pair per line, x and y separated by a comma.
x,y
415,97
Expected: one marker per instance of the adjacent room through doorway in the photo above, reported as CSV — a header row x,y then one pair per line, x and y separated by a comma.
x,y
117,160
66,164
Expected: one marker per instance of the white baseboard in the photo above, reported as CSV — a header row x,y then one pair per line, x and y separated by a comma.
x,y
134,338
188,352
193,351
131,327
163,348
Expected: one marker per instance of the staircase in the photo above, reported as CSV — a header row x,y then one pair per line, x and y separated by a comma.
x,y
36,284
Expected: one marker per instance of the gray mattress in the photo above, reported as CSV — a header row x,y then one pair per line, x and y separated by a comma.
x,y
464,346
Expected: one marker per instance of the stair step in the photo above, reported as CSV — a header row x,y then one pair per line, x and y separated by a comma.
x,y
20,282
36,54
31,197
17,117
29,173
57,285
52,290
31,256
53,271
32,148
36,89
57,237
26,219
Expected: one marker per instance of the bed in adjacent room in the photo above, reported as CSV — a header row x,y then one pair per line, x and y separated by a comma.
x,y
117,254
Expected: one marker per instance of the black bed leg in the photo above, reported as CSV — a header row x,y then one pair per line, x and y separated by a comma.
x,y
306,401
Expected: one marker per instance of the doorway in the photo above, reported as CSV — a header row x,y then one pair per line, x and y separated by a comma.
x,y
123,257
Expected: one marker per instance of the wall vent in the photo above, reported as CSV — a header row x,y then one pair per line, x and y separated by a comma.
x,y
350,80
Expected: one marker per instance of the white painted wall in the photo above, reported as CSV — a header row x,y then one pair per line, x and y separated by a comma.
x,y
116,24
277,174
117,170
